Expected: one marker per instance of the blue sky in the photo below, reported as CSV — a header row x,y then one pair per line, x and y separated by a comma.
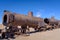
x,y
40,8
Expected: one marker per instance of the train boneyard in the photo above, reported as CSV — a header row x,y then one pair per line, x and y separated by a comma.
x,y
13,20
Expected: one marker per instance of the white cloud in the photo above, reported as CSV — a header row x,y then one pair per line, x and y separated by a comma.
x,y
38,14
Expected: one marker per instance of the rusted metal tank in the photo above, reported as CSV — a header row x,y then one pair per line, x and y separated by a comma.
x,y
19,19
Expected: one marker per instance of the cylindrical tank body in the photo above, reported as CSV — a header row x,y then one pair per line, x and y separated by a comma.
x,y
18,20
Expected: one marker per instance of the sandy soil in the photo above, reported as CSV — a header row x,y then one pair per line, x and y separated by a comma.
x,y
46,35
1,26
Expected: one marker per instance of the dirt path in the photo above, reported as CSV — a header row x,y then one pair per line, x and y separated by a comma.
x,y
48,35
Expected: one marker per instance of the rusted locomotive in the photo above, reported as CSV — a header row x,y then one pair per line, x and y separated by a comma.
x,y
13,19
26,21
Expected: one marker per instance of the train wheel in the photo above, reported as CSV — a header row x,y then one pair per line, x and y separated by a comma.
x,y
24,27
48,28
3,35
35,29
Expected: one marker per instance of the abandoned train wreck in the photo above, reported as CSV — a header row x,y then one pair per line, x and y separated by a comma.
x,y
18,23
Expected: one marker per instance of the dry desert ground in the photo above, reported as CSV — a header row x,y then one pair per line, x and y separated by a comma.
x,y
46,35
